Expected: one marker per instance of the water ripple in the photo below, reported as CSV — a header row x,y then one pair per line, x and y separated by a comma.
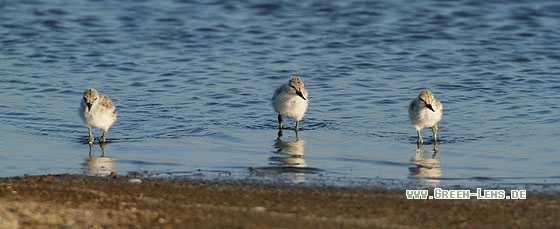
x,y
182,69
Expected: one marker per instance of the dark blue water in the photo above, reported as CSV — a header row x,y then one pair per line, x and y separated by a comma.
x,y
192,81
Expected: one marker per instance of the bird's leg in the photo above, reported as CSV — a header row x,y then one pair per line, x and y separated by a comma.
x,y
297,125
279,121
418,147
104,137
434,130
420,140
90,135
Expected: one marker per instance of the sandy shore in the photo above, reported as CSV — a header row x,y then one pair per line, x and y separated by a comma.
x,y
93,202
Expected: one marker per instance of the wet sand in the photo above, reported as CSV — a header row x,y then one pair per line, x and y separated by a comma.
x,y
99,202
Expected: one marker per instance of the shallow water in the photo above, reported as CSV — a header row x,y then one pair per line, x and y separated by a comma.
x,y
193,80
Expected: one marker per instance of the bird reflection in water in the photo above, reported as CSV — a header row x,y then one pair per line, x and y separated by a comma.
x,y
99,166
288,156
427,166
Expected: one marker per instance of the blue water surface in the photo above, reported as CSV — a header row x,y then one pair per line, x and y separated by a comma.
x,y
192,81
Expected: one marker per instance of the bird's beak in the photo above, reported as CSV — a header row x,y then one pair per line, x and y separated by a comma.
x,y
429,106
301,95
89,106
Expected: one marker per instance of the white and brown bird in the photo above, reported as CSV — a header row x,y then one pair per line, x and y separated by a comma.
x,y
425,111
97,111
290,100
